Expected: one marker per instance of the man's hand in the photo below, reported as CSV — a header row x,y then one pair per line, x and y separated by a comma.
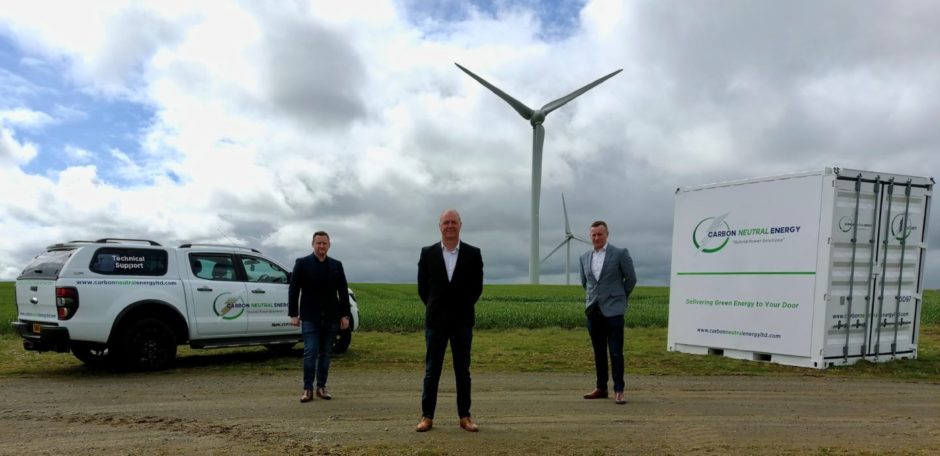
x,y
295,321
344,323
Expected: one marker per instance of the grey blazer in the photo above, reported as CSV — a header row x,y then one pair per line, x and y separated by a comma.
x,y
617,279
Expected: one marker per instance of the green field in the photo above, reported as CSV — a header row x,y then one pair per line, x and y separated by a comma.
x,y
519,328
396,307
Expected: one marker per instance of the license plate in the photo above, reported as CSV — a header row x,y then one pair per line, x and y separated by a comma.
x,y
37,328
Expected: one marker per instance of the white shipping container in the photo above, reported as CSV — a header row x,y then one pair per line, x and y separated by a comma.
x,y
810,269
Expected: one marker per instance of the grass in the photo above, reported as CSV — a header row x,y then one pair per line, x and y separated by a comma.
x,y
520,328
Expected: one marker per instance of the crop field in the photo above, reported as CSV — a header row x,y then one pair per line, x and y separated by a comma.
x,y
397,308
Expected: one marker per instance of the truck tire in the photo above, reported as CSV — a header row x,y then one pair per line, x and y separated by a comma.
x,y
148,345
94,356
341,342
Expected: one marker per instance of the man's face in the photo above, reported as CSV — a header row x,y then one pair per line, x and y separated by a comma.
x,y
321,245
598,236
450,226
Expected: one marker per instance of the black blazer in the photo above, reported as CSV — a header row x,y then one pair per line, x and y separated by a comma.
x,y
318,304
450,303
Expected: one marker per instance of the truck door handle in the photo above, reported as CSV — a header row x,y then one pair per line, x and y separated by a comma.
x,y
203,289
257,291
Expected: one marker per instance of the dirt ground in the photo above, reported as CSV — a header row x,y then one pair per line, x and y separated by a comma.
x,y
189,411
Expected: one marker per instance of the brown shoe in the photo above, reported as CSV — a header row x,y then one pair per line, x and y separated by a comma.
x,y
618,398
596,394
307,396
425,424
322,393
468,425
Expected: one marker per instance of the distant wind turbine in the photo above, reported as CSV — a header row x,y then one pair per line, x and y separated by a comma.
x,y
536,117
567,242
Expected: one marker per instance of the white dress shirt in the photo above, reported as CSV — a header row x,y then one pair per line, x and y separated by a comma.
x,y
597,261
450,259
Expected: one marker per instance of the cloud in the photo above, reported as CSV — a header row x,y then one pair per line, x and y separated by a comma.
x,y
13,150
24,118
77,154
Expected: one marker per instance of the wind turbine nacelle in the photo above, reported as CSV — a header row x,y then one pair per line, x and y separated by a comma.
x,y
537,118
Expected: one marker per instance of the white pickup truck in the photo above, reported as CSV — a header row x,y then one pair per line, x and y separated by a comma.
x,y
130,302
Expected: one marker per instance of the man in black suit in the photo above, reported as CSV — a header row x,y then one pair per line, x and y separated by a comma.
x,y
318,302
450,280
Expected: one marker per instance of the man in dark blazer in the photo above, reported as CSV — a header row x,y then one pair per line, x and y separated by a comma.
x,y
318,302
608,278
450,280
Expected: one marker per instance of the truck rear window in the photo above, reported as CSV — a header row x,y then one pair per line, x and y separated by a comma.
x,y
129,261
46,265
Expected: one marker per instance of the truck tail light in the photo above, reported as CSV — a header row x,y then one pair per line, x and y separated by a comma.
x,y
66,302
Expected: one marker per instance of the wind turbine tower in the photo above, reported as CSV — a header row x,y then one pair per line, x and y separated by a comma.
x,y
535,117
567,242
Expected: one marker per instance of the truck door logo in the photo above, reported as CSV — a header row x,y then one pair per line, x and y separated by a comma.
x,y
711,231
228,306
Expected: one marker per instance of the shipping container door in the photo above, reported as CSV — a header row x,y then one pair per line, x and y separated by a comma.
x,y
877,252
853,242
899,254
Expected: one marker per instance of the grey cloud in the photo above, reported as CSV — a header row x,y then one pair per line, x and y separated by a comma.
x,y
135,35
312,73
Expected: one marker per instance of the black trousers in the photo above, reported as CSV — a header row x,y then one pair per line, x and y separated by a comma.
x,y
607,335
436,340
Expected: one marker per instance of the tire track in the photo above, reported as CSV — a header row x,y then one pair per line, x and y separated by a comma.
x,y
244,433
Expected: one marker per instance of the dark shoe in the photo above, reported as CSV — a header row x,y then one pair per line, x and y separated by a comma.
x,y
307,396
322,393
618,398
425,424
467,424
596,394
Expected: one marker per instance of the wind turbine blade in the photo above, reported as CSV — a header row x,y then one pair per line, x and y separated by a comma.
x,y
553,251
523,110
582,240
565,209
553,105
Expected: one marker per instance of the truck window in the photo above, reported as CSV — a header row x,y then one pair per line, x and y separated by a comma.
x,y
46,265
129,261
211,266
261,270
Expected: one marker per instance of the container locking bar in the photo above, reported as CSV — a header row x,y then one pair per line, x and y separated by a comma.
x,y
884,265
848,314
903,238
869,287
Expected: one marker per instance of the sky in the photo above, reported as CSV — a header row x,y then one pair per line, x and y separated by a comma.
x,y
258,123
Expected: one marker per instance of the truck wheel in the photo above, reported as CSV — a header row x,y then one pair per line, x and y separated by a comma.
x,y
149,345
94,356
341,342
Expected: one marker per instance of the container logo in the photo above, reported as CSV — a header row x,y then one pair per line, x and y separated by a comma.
x,y
712,234
901,227
711,231
846,224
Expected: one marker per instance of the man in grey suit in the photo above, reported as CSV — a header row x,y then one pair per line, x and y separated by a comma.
x,y
608,278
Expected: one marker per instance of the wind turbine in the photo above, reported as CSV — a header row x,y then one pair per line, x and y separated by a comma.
x,y
535,117
567,242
